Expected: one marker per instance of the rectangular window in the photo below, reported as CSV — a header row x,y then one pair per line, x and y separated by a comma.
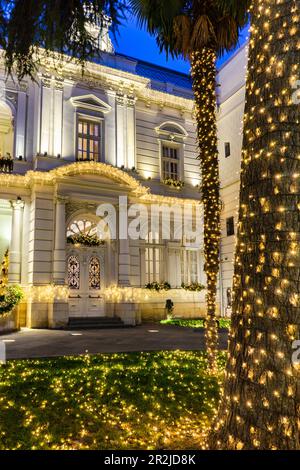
x,y
170,163
153,259
88,141
230,226
153,264
227,149
190,266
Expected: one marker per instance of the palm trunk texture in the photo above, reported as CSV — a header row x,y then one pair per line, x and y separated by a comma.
x,y
260,407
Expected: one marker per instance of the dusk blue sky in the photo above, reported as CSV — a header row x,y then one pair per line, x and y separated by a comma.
x,y
137,43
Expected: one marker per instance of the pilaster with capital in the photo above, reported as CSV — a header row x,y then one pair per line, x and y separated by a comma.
x,y
110,130
59,255
15,253
130,132
121,134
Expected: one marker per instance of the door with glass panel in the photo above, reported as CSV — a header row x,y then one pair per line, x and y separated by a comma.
x,y
84,281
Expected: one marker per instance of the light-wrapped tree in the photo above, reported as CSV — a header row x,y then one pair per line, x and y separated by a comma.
x,y
260,408
199,31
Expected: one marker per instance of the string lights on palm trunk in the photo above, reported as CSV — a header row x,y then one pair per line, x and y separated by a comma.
x,y
204,84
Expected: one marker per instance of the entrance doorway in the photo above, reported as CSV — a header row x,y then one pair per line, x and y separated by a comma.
x,y
85,271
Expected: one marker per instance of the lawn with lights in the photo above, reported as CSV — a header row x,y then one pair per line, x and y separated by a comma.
x,y
162,400
223,323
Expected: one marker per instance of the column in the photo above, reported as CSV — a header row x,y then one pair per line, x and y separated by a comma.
x,y
143,266
25,245
21,125
57,118
131,133
16,242
46,113
59,255
121,147
110,130
124,263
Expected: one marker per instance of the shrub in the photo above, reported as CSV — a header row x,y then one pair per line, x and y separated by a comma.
x,y
10,299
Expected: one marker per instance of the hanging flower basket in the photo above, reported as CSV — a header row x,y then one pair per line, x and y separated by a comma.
x,y
85,240
10,297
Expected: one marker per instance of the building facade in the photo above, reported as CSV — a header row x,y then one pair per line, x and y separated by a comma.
x,y
120,136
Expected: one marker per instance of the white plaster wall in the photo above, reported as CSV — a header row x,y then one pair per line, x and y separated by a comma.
x,y
41,238
5,224
230,129
148,147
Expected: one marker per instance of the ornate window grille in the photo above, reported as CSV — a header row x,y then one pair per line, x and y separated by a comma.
x,y
73,273
94,273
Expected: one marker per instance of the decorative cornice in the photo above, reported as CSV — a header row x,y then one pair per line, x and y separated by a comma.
x,y
105,77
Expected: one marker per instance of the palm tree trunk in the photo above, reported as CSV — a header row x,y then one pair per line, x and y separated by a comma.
x,y
260,407
203,69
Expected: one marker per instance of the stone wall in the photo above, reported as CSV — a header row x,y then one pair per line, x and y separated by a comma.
x,y
9,323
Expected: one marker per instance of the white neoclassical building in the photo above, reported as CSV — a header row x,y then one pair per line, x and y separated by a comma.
x,y
124,131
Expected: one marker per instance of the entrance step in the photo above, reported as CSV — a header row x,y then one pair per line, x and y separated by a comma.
x,y
94,323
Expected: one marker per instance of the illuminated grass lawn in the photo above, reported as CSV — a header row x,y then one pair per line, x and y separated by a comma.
x,y
161,400
194,323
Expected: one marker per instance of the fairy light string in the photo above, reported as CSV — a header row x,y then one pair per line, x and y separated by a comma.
x,y
204,79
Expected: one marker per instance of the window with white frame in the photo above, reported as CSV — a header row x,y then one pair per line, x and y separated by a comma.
x,y
88,140
170,162
190,266
171,140
153,259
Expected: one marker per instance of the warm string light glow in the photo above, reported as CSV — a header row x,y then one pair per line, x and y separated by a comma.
x,y
260,400
47,293
119,401
113,293
204,80
93,168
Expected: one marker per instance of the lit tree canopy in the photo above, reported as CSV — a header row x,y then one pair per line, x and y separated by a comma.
x,y
54,25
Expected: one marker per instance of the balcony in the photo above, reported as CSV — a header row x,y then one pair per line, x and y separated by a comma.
x,y
9,165
6,163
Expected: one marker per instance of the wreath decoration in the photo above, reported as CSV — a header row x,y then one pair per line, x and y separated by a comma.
x,y
85,240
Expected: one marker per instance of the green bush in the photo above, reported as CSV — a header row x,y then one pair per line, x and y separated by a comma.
x,y
12,297
195,323
158,286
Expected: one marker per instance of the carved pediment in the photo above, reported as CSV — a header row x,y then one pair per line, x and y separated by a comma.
x,y
90,102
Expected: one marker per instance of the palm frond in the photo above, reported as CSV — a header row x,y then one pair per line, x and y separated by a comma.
x,y
182,32
203,33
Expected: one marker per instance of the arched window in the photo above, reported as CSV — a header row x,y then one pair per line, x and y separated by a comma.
x,y
73,273
173,130
94,274
82,227
171,137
